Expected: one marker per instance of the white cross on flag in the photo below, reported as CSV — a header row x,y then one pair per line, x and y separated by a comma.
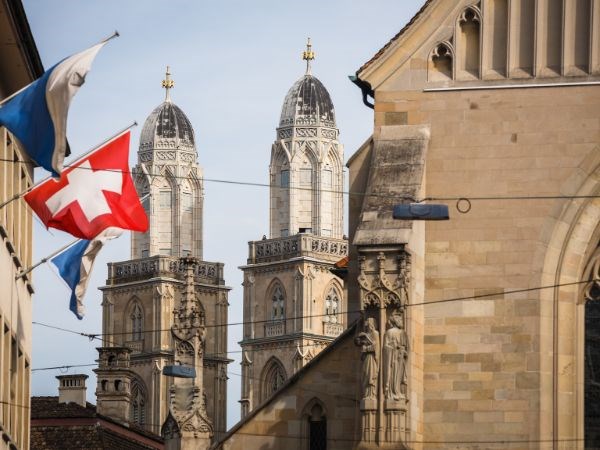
x,y
92,195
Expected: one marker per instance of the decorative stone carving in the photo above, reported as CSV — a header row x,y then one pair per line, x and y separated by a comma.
x,y
306,132
284,134
328,134
380,288
395,357
368,340
470,14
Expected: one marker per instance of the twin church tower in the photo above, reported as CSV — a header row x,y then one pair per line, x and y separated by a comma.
x,y
167,306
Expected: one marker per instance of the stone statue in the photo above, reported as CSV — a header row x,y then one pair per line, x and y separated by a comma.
x,y
395,356
368,340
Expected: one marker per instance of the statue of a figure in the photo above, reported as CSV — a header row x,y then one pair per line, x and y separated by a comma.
x,y
368,340
395,356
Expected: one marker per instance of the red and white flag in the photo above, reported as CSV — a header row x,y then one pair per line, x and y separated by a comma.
x,y
95,193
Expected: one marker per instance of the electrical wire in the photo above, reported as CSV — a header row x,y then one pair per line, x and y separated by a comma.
x,y
503,293
348,193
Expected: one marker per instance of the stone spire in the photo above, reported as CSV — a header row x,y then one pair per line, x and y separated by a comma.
x,y
168,84
188,427
308,55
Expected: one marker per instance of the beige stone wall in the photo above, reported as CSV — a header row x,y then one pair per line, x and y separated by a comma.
x,y
521,121
484,363
332,381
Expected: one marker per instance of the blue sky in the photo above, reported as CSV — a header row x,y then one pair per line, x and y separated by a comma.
x,y
233,62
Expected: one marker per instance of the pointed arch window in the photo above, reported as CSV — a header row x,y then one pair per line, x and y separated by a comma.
x,y
285,178
332,306
278,304
137,322
591,356
165,199
316,426
274,378
187,203
138,404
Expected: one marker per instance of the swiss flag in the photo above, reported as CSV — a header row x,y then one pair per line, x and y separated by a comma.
x,y
95,193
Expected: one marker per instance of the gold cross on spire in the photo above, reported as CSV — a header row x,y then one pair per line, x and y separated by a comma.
x,y
308,55
167,83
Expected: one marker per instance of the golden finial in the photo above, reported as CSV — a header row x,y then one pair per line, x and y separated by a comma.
x,y
308,55
167,83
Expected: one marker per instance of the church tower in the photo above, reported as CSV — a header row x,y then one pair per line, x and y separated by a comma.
x,y
293,303
166,282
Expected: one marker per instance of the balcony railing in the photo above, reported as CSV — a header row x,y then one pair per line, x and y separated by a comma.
x,y
332,329
303,244
275,329
135,346
164,266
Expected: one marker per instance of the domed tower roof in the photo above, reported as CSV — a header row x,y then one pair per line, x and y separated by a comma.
x,y
307,102
167,126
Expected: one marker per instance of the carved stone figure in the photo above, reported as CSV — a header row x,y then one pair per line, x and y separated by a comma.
x,y
368,340
395,356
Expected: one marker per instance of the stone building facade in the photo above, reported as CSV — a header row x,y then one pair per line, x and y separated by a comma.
x,y
166,306
503,97
479,332
293,305
20,64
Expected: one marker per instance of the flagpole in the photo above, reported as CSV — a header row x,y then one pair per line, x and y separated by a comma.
x,y
44,260
93,149
11,96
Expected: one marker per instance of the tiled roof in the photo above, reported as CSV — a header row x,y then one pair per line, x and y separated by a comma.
x,y
78,437
70,426
395,38
49,407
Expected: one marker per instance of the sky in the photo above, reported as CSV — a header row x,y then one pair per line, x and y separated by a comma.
x,y
233,61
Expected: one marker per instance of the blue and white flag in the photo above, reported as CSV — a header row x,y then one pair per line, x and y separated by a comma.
x,y
37,116
75,266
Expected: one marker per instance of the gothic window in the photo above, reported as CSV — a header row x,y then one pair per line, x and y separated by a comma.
x,y
186,202
278,304
146,203
592,371
165,199
468,43
285,178
332,305
440,62
306,176
274,378
317,428
138,404
137,322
